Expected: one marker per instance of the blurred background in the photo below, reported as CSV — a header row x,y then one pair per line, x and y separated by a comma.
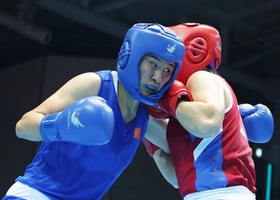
x,y
43,43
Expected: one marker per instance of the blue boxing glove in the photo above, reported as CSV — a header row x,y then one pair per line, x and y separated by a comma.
x,y
88,121
258,122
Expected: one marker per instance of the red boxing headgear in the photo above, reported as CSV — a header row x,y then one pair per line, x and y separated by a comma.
x,y
203,47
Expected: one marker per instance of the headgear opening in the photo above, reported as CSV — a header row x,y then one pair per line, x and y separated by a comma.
x,y
140,40
203,47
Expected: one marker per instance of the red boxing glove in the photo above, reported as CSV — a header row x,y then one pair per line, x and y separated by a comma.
x,y
169,100
150,147
157,112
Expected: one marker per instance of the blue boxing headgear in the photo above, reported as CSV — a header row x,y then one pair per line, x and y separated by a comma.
x,y
140,40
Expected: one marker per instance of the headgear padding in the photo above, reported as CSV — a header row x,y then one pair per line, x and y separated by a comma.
x,y
140,40
203,47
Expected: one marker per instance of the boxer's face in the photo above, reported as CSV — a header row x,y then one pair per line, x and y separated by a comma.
x,y
154,73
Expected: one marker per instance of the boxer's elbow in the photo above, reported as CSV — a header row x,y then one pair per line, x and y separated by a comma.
x,y
211,129
28,128
207,128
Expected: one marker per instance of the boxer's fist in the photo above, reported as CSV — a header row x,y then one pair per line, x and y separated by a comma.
x,y
169,100
157,112
88,121
258,122
150,147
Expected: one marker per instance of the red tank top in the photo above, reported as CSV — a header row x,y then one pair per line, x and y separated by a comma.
x,y
210,163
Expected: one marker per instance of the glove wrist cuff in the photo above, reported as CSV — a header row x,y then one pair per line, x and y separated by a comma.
x,y
49,127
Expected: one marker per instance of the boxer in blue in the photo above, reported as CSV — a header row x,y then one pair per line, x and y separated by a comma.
x,y
92,126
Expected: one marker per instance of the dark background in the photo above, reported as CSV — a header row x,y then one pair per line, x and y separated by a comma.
x,y
43,43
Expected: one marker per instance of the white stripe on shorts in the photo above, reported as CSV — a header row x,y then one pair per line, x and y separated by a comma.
x,y
19,189
228,193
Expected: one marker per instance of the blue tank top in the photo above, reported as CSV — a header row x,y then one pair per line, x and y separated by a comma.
x,y
64,170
